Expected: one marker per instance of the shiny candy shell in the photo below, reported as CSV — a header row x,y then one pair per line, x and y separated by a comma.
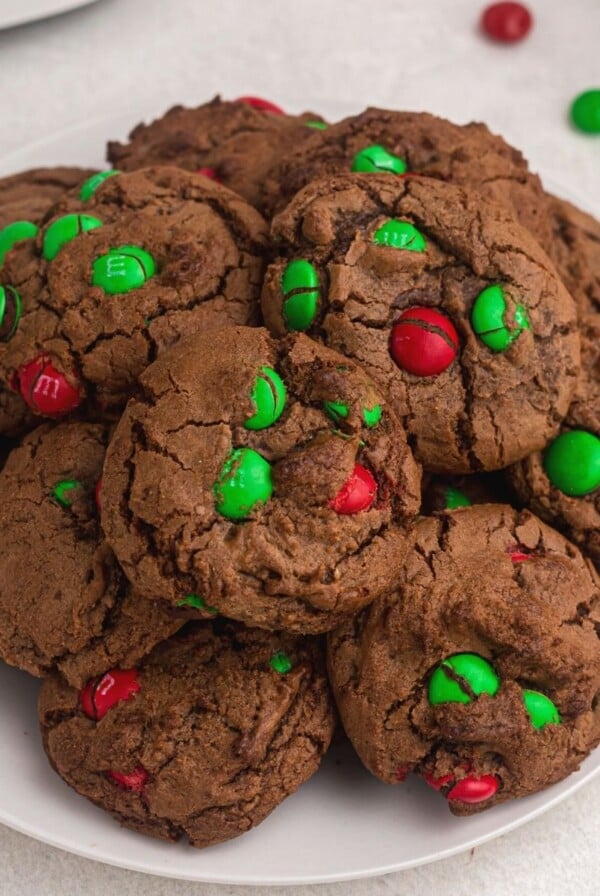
x,y
423,342
357,494
572,462
123,269
474,790
14,233
268,396
377,159
244,483
65,229
455,676
101,694
46,390
506,22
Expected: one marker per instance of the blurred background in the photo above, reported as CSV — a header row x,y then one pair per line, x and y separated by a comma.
x,y
111,63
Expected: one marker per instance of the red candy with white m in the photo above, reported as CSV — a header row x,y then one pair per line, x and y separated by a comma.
x,y
46,390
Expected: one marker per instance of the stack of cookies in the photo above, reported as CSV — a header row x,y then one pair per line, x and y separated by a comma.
x,y
269,380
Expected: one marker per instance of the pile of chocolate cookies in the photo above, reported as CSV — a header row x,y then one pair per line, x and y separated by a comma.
x,y
270,379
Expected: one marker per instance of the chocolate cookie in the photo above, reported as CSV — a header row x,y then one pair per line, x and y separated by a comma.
x,y
481,672
235,143
64,602
575,250
268,477
204,739
24,200
112,281
380,140
444,299
26,197
562,484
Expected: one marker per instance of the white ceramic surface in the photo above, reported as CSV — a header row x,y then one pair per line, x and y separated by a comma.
x,y
342,825
17,12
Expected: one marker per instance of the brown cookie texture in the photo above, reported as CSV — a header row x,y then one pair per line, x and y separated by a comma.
x,y
212,740
496,583
578,516
237,144
27,195
206,244
64,603
488,407
269,526
575,249
465,155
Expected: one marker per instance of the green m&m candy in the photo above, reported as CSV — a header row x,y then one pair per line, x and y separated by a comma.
x,y
488,319
60,492
196,602
337,410
89,187
281,663
268,397
541,709
372,416
14,233
300,288
572,462
316,125
65,229
455,498
585,111
10,312
245,481
400,235
123,269
377,158
459,676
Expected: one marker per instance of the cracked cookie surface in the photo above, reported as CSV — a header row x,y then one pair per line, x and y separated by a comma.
x,y
27,195
96,316
212,740
575,249
499,584
234,143
64,603
409,260
292,525
576,511
465,155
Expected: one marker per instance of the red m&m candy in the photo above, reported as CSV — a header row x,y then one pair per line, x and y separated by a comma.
x,y
474,790
357,493
100,694
506,22
423,342
134,781
46,390
262,105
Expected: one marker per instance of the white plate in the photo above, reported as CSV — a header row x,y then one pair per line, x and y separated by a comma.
x,y
17,12
343,824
